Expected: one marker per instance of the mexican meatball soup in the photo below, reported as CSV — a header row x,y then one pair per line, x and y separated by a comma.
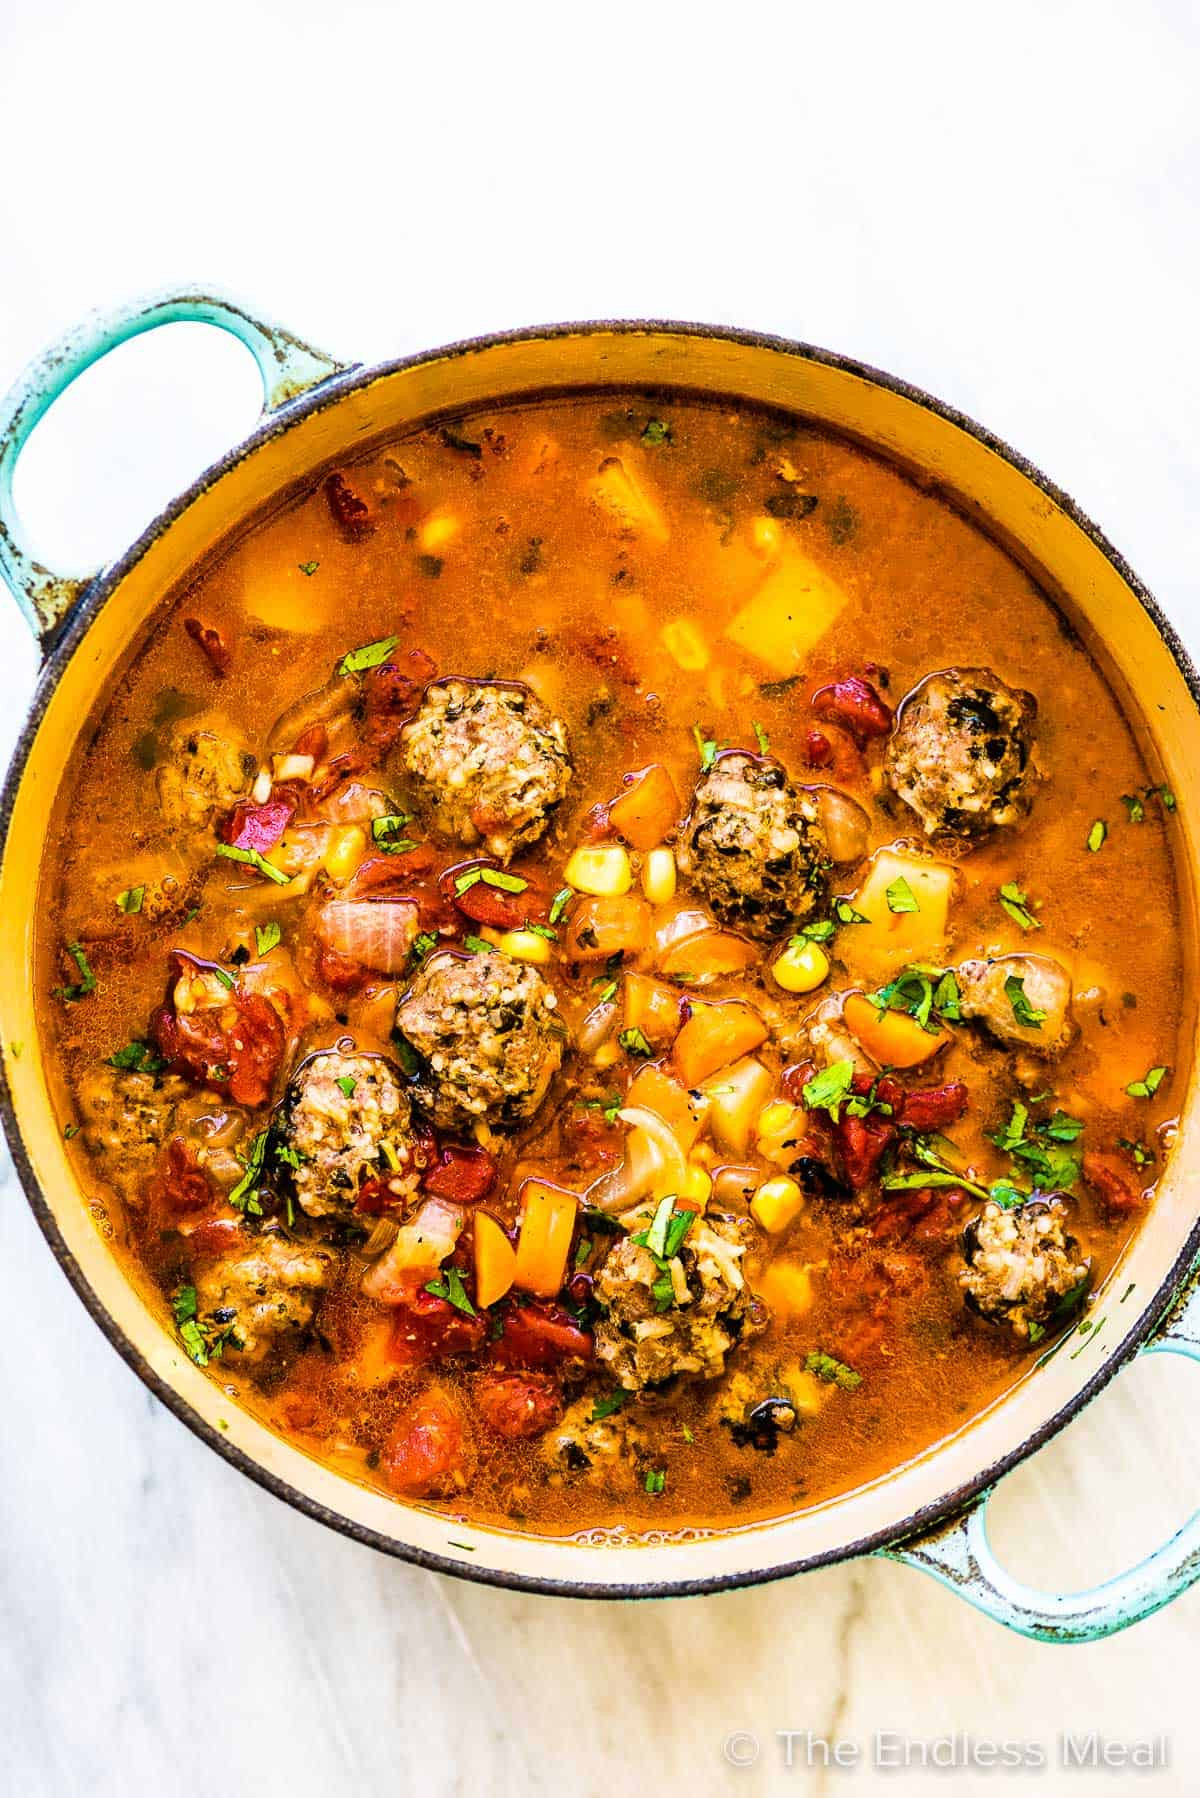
x,y
613,965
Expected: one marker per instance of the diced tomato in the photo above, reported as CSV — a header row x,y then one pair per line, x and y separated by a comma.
x,y
390,873
216,1236
258,826
597,824
339,971
428,1328
180,1184
350,513
934,1107
313,741
391,694
924,1216
861,1145
795,1078
375,1197
853,703
518,1405
235,1047
1116,1194
463,1175
427,1447
540,1335
212,643
818,750
484,903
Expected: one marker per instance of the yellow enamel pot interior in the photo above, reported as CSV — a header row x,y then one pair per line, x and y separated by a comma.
x,y
1076,568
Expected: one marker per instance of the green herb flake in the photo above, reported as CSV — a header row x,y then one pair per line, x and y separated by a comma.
x,y
450,1286
1096,836
309,568
634,1042
1148,1085
87,980
655,433
507,883
464,882
706,749
560,903
130,901
422,945
656,1480
70,1130
1169,801
820,932
1016,904
371,655
1133,805
244,1196
900,897
835,1373
477,946
225,977
136,1058
253,859
826,1090
1026,1015
761,738
389,825
348,1085
542,930
266,936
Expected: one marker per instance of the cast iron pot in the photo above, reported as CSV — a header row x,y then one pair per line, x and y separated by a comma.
x,y
928,1513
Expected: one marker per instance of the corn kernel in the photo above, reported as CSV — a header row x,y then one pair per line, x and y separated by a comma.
x,y
523,945
658,876
776,1204
786,1286
346,848
695,1189
604,870
775,1117
685,642
438,529
807,1392
801,968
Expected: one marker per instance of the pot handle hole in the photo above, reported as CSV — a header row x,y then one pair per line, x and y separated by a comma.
x,y
958,1554
288,367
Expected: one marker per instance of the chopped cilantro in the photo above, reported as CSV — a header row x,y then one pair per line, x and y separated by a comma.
x,y
130,901
309,568
656,1235
464,882
244,1196
390,825
656,1480
551,936
406,1055
604,1407
70,1130
706,749
477,946
371,655
929,996
1026,1015
560,903
422,944
225,977
1016,904
508,883
1133,805
1096,835
1148,1085
136,1058
656,432
836,1373
900,897
348,1085
633,1042
87,980
450,1286
820,932
826,1090
845,913
1138,1153
1169,801
761,738
266,936
253,859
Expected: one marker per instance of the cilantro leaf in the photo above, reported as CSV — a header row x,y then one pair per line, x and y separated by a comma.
x,y
826,1090
371,655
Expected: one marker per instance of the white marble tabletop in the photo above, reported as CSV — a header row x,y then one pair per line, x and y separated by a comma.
x,y
1000,204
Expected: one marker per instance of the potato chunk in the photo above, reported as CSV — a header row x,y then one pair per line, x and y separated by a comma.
x,y
793,607
890,939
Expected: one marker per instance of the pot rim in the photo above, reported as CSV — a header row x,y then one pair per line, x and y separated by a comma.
x,y
60,646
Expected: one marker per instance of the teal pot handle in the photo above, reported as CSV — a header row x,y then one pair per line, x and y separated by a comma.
x,y
288,368
959,1554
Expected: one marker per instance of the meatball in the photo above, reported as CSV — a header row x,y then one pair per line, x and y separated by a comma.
x,y
602,1450
489,761
263,1289
1006,994
346,1120
959,754
647,1336
1021,1265
202,771
489,1037
753,845
127,1117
